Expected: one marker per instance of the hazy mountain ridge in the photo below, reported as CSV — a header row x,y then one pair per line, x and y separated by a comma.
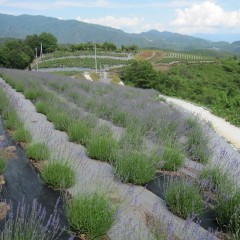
x,y
73,31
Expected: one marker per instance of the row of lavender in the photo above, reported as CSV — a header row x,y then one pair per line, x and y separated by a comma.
x,y
155,134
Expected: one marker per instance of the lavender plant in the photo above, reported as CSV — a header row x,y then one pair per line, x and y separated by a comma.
x,y
90,214
184,199
58,174
31,223
2,164
38,151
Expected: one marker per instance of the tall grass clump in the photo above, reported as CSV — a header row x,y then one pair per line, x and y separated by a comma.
x,y
197,143
22,135
102,146
31,94
172,158
184,199
58,174
2,164
135,167
31,223
90,214
38,151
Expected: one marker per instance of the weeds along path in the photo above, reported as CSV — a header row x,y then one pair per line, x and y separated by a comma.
x,y
136,204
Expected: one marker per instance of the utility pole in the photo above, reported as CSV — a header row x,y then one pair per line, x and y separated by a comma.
x,y
95,58
36,59
41,52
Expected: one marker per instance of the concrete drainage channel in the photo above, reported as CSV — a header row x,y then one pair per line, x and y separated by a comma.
x,y
135,202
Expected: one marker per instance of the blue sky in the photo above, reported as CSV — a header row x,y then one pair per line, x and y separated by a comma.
x,y
215,19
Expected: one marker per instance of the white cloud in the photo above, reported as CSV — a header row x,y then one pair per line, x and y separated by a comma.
x,y
206,17
111,21
129,24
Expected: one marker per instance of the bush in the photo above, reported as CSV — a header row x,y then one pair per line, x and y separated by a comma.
x,y
90,214
38,151
135,167
22,135
102,146
172,158
183,199
58,174
2,165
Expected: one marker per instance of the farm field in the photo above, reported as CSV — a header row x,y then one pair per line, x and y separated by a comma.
x,y
121,144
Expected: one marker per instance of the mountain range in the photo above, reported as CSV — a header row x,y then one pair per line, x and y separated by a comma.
x,y
73,31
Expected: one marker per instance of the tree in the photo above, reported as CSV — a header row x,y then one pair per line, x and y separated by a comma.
x,y
140,74
49,42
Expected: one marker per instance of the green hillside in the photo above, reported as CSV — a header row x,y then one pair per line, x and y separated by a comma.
x,y
73,31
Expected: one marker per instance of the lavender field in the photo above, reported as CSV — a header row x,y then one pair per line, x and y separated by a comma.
x,y
108,143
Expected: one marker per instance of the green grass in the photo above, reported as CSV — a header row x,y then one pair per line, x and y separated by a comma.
x,y
90,214
172,158
58,174
102,146
22,135
38,151
2,164
183,199
135,167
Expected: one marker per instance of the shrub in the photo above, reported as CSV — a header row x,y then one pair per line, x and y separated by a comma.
x,y
90,214
79,132
102,145
2,164
58,174
38,151
22,135
172,158
183,199
19,87
119,118
135,167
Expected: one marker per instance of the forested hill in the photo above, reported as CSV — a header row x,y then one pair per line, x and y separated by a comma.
x,y
72,31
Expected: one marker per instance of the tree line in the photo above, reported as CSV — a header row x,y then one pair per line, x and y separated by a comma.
x,y
18,53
